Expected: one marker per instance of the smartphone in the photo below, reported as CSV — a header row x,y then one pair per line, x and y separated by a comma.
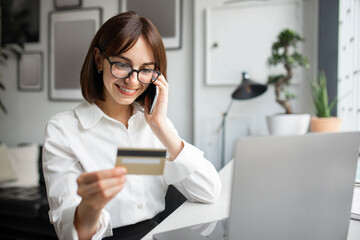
x,y
153,99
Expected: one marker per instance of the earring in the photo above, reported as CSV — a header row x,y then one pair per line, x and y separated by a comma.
x,y
99,71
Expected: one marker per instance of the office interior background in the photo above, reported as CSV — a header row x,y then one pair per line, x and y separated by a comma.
x,y
197,99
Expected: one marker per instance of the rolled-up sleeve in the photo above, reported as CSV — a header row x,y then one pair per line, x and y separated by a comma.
x,y
61,170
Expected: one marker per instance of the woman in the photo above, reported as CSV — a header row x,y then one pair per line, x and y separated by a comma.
x,y
88,196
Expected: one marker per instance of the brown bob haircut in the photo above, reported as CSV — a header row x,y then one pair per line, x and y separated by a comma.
x,y
117,35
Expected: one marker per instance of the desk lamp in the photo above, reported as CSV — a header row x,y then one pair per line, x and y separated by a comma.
x,y
246,90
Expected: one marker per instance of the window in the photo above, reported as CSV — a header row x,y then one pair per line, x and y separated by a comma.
x,y
349,78
349,67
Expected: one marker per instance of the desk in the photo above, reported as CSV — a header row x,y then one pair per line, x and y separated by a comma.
x,y
197,213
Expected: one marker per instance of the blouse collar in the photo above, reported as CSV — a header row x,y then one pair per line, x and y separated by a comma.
x,y
89,114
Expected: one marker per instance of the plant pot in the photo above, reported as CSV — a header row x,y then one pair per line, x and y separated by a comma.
x,y
288,124
332,124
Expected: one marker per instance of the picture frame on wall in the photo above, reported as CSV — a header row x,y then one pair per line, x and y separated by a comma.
x,y
30,71
165,14
71,32
20,22
62,4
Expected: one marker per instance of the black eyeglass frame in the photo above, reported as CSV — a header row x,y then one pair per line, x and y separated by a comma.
x,y
131,72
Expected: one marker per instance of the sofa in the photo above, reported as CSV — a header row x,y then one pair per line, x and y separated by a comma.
x,y
24,210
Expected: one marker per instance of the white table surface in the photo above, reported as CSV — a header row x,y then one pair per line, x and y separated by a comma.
x,y
190,213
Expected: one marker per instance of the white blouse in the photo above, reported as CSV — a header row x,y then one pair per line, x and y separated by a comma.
x,y
86,140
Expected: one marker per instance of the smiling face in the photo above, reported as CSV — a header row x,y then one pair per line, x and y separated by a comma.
x,y
116,39
126,91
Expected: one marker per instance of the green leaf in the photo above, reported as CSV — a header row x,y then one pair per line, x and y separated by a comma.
x,y
273,79
288,95
320,96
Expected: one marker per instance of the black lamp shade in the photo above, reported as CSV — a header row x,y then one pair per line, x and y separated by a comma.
x,y
248,89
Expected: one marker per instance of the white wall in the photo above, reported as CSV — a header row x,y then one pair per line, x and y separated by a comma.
x,y
28,112
195,109
246,117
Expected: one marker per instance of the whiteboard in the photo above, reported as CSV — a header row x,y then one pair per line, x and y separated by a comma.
x,y
239,38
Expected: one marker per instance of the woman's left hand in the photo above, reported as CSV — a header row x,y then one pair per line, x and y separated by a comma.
x,y
157,120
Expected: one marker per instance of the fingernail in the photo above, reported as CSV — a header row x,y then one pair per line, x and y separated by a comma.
x,y
120,170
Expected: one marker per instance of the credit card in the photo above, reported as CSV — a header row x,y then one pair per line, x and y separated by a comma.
x,y
142,161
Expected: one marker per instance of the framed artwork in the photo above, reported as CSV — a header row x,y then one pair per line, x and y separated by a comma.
x,y
20,21
30,71
60,4
71,32
233,46
165,14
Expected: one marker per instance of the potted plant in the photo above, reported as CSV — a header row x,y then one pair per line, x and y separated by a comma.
x,y
3,58
16,48
323,122
2,86
284,52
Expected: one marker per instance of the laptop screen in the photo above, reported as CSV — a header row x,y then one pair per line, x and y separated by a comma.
x,y
293,187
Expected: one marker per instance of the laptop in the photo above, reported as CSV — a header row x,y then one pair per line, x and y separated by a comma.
x,y
286,187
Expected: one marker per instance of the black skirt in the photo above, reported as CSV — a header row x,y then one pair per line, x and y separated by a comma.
x,y
133,232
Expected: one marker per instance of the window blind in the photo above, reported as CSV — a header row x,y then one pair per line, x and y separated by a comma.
x,y
349,64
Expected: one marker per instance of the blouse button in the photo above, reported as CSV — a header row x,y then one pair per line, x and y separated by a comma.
x,y
139,206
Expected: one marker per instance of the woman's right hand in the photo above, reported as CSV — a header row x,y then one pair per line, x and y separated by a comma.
x,y
96,189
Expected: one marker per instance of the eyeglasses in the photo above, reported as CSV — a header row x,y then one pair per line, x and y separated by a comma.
x,y
122,70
